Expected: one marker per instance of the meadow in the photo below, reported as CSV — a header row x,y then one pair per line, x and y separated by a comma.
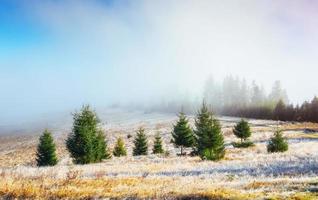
x,y
250,173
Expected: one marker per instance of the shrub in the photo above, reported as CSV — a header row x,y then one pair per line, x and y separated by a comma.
x,y
182,135
209,138
277,143
244,144
46,155
157,146
86,142
120,149
141,143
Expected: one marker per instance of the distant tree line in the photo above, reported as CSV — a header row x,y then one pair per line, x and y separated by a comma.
x,y
234,92
234,97
307,112
238,98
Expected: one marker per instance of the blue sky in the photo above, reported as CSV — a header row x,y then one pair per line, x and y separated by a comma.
x,y
16,30
56,55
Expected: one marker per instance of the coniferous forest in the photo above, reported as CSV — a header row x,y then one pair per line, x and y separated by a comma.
x,y
237,98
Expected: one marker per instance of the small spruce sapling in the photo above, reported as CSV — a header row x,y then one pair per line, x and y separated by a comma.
x,y
140,143
119,149
46,155
182,135
209,137
277,143
157,146
242,130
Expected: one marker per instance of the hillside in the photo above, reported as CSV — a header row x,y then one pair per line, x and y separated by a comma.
x,y
244,173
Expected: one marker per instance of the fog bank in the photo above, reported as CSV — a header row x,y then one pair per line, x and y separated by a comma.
x,y
58,55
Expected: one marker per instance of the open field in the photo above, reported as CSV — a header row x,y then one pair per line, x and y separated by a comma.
x,y
244,173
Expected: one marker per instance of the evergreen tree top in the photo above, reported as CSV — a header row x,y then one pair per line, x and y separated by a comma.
x,y
85,118
182,121
278,134
204,119
141,136
204,112
120,142
46,134
181,115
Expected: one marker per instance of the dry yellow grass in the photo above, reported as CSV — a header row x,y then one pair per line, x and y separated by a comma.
x,y
47,188
25,154
307,136
299,126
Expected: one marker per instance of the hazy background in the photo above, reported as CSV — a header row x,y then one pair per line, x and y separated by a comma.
x,y
56,55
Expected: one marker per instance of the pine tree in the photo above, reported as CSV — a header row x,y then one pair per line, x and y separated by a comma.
x,y
141,143
120,149
209,138
157,146
85,143
242,130
182,134
277,143
46,155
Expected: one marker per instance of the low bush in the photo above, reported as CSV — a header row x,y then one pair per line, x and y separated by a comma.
x,y
244,144
277,143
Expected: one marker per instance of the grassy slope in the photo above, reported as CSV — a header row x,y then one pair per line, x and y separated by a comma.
x,y
244,174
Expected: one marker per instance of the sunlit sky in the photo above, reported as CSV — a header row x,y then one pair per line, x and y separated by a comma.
x,y
56,55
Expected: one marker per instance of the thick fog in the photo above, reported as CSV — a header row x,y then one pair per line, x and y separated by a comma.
x,y
58,55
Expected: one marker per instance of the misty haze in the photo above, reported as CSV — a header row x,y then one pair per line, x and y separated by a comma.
x,y
142,99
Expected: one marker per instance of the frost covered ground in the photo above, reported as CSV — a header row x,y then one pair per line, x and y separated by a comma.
x,y
244,173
